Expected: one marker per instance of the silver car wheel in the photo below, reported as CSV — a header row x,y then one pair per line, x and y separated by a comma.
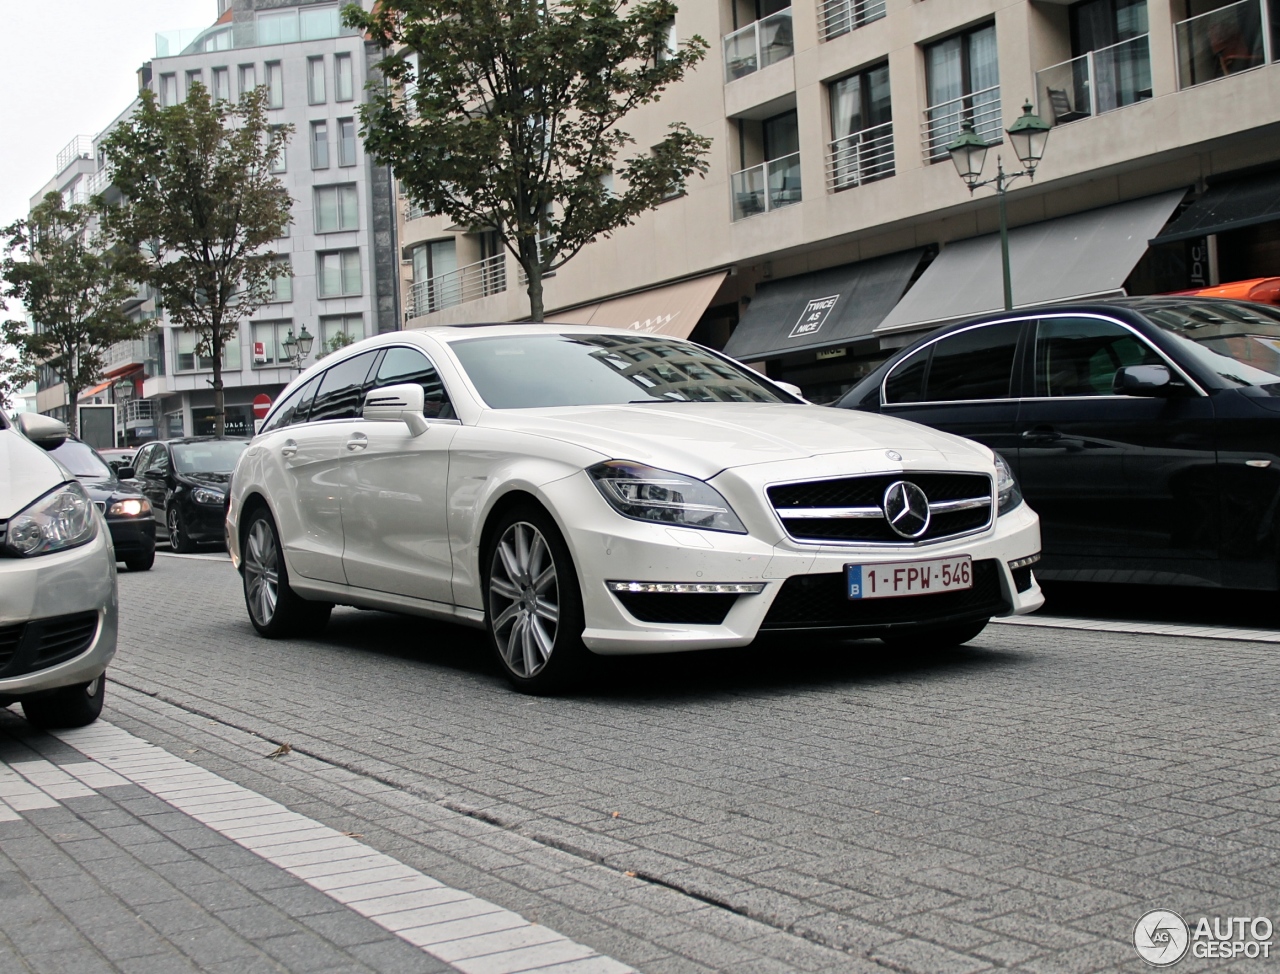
x,y
524,599
261,572
175,531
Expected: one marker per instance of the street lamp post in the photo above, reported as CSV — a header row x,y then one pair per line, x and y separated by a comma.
x,y
1028,134
297,349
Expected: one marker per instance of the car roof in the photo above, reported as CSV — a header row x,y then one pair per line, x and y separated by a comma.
x,y
200,439
1138,303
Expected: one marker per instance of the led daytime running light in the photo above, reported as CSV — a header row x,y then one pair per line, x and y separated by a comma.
x,y
689,588
1024,562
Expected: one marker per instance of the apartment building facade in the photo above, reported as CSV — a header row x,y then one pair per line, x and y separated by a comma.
x,y
832,226
340,246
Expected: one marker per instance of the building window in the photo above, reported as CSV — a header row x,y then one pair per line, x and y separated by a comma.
x,y
836,17
336,208
339,273
275,84
319,145
188,360
315,80
287,26
248,78
344,82
281,288
339,330
670,46
963,82
168,90
279,27
346,142
435,283
774,182
862,123
222,84
194,78
280,162
268,343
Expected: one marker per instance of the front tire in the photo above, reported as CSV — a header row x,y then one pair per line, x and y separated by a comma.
x,y
179,540
75,706
141,563
533,605
936,640
275,609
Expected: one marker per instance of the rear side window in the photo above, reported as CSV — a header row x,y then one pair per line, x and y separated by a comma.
x,y
973,364
401,365
1080,356
341,392
294,408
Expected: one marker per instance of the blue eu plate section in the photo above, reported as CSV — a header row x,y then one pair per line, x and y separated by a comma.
x,y
853,576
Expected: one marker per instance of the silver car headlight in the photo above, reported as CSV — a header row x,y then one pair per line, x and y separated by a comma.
x,y
59,520
649,494
1008,493
202,495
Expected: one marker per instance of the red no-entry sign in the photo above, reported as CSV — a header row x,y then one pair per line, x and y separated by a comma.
x,y
261,403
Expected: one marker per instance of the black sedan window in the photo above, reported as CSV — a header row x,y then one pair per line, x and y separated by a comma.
x,y
1240,343
1080,356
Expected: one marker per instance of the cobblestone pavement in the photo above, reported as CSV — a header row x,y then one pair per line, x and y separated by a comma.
x,y
797,806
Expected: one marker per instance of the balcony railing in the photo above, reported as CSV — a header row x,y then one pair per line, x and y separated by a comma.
x,y
478,280
942,122
836,17
860,157
81,147
97,182
1097,82
138,412
766,187
1225,41
758,45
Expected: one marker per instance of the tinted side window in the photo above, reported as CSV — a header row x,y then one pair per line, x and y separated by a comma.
x,y
1080,356
140,461
906,381
294,404
341,393
159,459
974,364
401,365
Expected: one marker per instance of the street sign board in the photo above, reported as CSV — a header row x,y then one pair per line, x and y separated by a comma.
x,y
261,403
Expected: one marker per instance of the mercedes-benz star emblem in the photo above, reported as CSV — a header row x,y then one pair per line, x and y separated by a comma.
x,y
906,507
893,454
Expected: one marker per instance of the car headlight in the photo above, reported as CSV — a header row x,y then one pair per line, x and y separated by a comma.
x,y
60,519
1008,493
129,507
202,495
649,494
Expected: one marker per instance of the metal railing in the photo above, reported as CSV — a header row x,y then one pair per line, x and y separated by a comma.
x,y
97,182
758,45
836,17
81,147
415,210
1225,41
138,411
478,280
766,187
1097,82
941,125
860,157
126,353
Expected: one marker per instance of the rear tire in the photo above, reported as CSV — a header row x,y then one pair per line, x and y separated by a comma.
x,y
936,640
75,706
179,540
141,563
533,604
275,609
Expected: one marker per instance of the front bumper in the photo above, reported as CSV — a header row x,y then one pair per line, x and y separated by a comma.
x,y
53,587
132,536
204,522
607,547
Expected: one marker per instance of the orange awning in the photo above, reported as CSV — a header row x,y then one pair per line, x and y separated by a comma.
x,y
672,310
1263,289
88,393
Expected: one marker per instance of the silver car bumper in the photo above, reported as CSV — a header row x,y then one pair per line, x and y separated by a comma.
x,y
51,587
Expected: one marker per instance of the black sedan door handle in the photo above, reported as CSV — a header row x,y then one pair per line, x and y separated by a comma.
x,y
1041,434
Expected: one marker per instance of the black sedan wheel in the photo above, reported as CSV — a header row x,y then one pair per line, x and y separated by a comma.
x,y
179,540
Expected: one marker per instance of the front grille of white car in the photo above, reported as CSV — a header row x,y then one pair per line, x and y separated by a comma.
x,y
850,510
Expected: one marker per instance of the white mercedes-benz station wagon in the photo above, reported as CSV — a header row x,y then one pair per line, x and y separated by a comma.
x,y
578,490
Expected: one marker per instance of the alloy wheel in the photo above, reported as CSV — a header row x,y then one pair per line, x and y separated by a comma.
x,y
262,572
524,606
175,532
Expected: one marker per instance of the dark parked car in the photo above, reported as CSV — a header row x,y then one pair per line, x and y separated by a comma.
x,y
128,513
186,481
1144,431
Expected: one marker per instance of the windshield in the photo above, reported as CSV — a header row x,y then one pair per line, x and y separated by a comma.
x,y
82,460
209,456
1240,343
524,371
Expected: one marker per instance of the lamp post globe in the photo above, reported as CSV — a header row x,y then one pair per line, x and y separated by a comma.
x,y
1029,135
969,153
305,340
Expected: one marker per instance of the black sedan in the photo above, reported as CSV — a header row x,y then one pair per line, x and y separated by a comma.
x,y
1144,431
128,513
186,481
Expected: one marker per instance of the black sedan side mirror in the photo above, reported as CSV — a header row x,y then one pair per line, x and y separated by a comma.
x,y
124,472
1143,380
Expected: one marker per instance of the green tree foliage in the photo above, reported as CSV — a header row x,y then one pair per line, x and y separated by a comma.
x,y
73,284
16,368
201,206
511,117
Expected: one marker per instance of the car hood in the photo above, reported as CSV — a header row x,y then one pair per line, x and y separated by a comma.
x,y
702,439
219,480
26,473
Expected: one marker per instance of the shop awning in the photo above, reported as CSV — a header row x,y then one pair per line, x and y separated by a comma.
x,y
94,390
671,310
829,307
1084,255
1228,205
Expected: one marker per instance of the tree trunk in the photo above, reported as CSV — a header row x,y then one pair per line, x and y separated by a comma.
x,y
219,408
531,261
73,414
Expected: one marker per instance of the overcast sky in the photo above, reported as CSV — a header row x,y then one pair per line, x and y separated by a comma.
x,y
67,68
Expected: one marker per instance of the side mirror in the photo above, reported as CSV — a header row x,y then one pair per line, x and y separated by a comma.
x,y
124,472
1142,380
790,387
397,404
44,431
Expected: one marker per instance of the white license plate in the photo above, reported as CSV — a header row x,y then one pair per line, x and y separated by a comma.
x,y
909,578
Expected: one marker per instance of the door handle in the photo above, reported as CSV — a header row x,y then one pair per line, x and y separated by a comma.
x,y
1041,434
289,449
357,441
